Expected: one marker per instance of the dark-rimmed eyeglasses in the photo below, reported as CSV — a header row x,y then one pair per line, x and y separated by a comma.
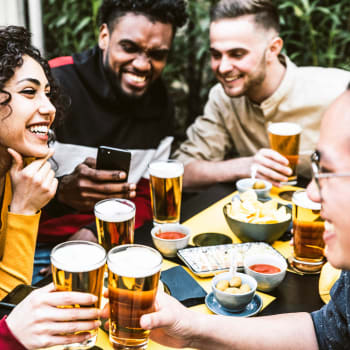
x,y
317,171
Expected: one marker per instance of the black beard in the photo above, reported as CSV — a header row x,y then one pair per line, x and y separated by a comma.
x,y
114,81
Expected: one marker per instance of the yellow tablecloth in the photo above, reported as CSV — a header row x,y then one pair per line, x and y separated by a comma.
x,y
212,220
209,220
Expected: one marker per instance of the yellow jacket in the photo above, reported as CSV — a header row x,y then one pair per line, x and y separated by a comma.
x,y
17,244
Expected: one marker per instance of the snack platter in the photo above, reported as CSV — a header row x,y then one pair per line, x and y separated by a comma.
x,y
208,261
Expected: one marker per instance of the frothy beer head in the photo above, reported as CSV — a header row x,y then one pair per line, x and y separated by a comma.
x,y
134,261
166,169
115,210
78,256
301,199
284,129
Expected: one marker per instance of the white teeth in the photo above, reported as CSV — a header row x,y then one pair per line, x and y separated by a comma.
x,y
328,226
229,79
39,129
136,78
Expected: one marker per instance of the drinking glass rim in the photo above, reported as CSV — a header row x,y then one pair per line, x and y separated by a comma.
x,y
285,123
88,267
168,161
316,207
154,269
127,202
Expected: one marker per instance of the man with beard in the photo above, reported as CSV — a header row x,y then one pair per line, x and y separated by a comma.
x,y
119,100
257,85
328,328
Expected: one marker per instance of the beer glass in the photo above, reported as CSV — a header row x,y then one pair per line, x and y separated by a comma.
x,y
166,190
79,266
133,275
285,139
308,227
115,221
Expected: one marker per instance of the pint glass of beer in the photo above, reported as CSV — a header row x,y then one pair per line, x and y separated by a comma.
x,y
79,266
133,275
115,221
285,139
308,227
166,190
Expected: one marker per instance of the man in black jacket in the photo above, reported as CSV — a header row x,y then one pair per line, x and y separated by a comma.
x,y
117,99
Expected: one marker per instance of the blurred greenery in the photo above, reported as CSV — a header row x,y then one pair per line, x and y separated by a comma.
x,y
315,32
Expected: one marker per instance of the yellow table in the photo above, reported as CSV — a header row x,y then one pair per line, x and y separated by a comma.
x,y
211,220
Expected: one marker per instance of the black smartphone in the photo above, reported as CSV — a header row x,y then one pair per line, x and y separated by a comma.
x,y
110,158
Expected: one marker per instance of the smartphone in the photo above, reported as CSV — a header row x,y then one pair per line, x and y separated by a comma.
x,y
110,158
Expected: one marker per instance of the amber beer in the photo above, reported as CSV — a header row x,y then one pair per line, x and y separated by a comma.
x,y
79,266
308,228
285,139
166,190
133,275
115,221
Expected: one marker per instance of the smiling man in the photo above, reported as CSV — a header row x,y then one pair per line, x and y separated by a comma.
x,y
257,85
119,100
325,329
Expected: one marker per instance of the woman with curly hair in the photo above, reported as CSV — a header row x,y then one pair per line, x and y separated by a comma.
x,y
28,101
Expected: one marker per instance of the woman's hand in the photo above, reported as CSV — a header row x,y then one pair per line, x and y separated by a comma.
x,y
33,186
37,322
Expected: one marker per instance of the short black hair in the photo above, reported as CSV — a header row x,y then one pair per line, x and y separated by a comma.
x,y
14,44
165,11
265,12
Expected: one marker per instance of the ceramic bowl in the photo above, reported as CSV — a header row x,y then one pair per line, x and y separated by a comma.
x,y
169,247
266,281
244,185
249,232
236,302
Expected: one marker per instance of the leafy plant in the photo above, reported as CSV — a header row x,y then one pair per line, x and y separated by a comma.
x,y
315,32
69,25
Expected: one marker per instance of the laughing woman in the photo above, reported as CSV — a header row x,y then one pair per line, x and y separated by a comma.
x,y
28,102
27,97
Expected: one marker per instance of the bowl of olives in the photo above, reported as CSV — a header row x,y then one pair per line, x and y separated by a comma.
x,y
234,292
261,187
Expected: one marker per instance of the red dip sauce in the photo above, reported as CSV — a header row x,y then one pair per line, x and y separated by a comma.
x,y
170,235
265,268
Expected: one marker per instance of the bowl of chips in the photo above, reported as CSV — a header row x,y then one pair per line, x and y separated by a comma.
x,y
253,220
261,187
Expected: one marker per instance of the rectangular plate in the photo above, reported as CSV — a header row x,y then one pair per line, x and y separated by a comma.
x,y
208,261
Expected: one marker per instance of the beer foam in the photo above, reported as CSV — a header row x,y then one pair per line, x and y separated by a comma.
x,y
135,261
113,210
302,200
284,129
78,257
166,170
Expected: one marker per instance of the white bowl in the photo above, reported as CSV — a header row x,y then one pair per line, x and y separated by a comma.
x,y
266,281
244,185
169,247
234,302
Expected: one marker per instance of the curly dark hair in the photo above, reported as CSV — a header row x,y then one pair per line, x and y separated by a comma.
x,y
14,44
165,11
264,11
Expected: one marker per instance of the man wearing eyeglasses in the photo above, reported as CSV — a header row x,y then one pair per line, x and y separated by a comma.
x,y
328,328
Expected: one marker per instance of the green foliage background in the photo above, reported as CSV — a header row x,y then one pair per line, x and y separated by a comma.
x,y
315,32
